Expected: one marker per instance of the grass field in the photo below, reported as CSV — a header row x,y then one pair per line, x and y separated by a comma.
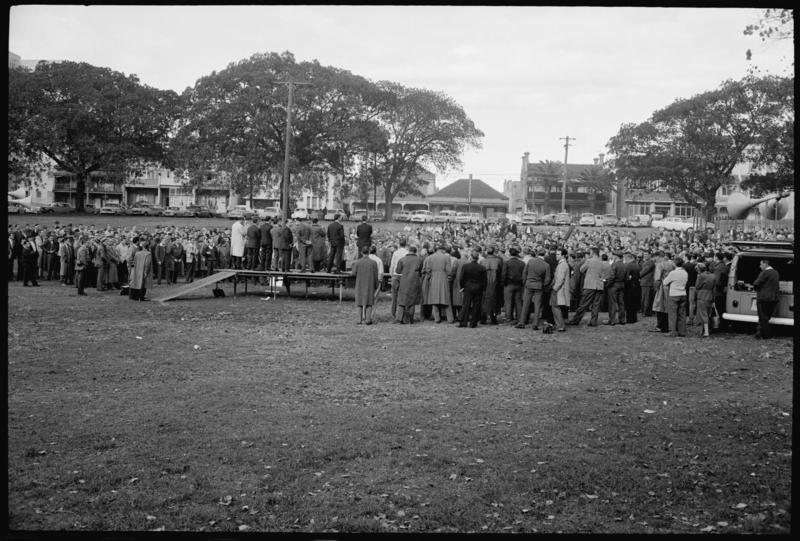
x,y
247,414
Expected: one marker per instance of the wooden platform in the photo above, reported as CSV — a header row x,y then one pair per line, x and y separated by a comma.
x,y
197,284
272,277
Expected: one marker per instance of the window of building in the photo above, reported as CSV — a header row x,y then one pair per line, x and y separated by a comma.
x,y
683,210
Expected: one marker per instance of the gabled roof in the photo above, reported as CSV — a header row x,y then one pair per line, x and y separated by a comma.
x,y
461,189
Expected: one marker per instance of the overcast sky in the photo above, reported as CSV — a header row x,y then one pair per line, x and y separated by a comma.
x,y
527,76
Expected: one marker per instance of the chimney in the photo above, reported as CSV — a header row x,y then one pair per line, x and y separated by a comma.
x,y
602,158
596,160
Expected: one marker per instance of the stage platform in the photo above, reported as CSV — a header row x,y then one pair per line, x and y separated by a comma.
x,y
272,278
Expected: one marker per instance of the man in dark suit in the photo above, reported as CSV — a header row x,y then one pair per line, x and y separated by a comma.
x,y
363,234
616,291
512,285
304,245
336,240
252,244
473,284
767,287
265,230
550,259
536,277
632,294
286,246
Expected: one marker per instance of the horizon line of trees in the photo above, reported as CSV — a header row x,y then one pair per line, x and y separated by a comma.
x,y
232,124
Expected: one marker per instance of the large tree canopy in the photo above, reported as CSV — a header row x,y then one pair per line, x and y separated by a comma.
x,y
235,122
692,146
84,119
419,129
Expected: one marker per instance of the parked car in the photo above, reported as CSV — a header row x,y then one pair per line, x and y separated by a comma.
x,y
333,212
112,209
640,220
403,216
740,298
170,212
587,219
445,216
139,208
14,208
186,212
422,217
154,210
60,207
467,217
358,214
269,213
200,211
549,219
672,223
623,222
610,220
299,213
238,211
376,215
33,210
563,218
528,218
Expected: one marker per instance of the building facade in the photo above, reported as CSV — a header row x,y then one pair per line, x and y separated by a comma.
x,y
542,190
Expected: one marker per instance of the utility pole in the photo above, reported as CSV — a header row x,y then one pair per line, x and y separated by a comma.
x,y
564,180
285,198
469,195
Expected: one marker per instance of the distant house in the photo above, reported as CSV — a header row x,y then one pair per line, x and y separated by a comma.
x,y
469,195
542,190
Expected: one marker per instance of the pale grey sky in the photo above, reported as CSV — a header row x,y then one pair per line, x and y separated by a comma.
x,y
527,76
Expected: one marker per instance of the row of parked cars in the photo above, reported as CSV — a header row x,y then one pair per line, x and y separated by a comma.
x,y
588,219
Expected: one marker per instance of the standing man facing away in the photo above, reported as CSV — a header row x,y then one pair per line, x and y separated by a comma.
x,y
473,282
592,291
536,277
363,234
238,236
767,286
336,239
398,254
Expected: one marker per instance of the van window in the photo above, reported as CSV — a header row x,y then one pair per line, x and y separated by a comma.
x,y
747,268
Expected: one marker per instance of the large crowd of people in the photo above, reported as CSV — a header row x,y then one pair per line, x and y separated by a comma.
x,y
469,274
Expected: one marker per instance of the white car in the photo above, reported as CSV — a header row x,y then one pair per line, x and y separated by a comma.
x,y
528,218
403,216
238,211
672,223
467,218
333,212
421,216
640,220
268,213
111,208
587,219
446,216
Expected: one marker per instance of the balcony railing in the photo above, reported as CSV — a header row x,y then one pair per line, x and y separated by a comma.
x,y
143,182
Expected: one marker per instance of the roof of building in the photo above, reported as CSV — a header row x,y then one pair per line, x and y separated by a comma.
x,y
461,189
574,170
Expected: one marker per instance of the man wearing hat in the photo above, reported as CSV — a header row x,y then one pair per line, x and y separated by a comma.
x,y
536,277
646,283
632,294
141,272
616,290
473,284
82,264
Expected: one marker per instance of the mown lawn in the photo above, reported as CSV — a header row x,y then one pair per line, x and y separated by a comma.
x,y
283,415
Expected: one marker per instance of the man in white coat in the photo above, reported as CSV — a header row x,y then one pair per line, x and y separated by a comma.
x,y
238,237
559,296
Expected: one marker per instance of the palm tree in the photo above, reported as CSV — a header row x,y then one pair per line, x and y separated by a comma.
x,y
548,173
599,180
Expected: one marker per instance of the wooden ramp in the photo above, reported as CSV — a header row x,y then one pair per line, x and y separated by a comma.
x,y
197,284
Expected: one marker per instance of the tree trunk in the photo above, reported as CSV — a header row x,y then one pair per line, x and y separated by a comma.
x,y
80,192
389,210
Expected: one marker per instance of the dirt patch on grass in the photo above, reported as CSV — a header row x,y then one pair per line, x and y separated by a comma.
x,y
239,414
